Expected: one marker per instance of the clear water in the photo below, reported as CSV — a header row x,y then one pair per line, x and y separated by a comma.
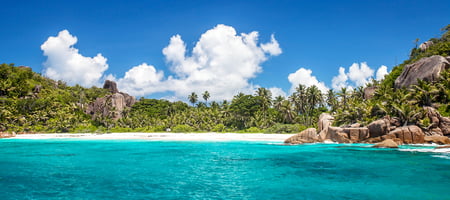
x,y
106,169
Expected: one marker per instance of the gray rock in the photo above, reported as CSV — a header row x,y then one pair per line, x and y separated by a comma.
x,y
388,143
424,46
369,92
111,106
379,127
307,136
325,121
111,86
427,69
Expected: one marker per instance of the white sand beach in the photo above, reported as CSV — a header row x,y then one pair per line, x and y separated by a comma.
x,y
163,136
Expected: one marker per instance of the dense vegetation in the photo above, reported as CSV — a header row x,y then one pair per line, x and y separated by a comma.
x,y
30,102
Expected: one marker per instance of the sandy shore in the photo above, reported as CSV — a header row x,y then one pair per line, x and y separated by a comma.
x,y
164,136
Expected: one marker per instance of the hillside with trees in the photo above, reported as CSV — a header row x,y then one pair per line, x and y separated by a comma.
x,y
30,102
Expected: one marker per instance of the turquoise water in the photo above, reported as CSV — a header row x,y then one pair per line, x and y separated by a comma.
x,y
106,169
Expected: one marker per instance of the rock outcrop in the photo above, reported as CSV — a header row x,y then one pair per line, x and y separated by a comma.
x,y
437,139
427,69
369,92
388,143
379,127
307,136
439,125
325,121
407,135
113,105
348,135
424,46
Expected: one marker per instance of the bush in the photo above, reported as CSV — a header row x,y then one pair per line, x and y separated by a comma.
x,y
220,128
253,130
181,128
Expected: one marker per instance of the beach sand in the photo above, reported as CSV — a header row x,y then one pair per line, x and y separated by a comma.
x,y
163,136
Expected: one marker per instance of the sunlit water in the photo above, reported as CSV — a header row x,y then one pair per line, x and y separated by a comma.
x,y
131,169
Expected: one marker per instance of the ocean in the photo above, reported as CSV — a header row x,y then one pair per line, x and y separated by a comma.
x,y
139,169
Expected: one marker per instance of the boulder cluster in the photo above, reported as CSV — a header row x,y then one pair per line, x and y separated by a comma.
x,y
385,132
112,105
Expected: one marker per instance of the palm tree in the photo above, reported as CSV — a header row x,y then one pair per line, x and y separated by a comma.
x,y
343,94
193,98
424,93
206,97
331,99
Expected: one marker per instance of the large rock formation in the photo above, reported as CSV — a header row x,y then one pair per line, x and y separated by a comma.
x,y
437,139
325,121
388,143
407,135
348,135
439,125
307,136
427,69
113,105
379,127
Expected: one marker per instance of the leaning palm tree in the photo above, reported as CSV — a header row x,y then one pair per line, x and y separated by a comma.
x,y
193,98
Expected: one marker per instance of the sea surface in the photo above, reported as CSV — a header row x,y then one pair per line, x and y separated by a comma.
x,y
139,169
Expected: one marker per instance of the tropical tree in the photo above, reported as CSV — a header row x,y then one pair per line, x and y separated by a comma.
x,y
193,98
206,96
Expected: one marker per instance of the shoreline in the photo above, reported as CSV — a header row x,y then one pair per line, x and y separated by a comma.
x,y
161,136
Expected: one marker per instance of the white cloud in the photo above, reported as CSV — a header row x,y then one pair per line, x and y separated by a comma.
x,y
360,74
222,62
340,81
277,92
304,76
65,63
381,72
141,80
273,48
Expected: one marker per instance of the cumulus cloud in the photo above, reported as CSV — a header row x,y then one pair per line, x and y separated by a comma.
x,y
358,75
272,47
141,80
64,62
304,76
277,92
222,62
381,72
340,81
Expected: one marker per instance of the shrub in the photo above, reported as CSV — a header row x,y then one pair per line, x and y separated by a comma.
x,y
181,128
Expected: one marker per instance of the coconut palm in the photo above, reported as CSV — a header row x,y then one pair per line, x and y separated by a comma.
x,y
206,97
193,98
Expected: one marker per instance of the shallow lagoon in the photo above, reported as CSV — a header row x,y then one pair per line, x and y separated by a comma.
x,y
139,169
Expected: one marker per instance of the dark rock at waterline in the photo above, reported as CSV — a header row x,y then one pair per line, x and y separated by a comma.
x,y
388,143
428,69
407,135
348,135
436,139
307,136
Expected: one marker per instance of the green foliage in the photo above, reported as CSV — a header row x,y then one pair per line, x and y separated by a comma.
x,y
182,128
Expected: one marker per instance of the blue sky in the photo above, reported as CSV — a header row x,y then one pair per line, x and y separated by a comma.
x,y
320,36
